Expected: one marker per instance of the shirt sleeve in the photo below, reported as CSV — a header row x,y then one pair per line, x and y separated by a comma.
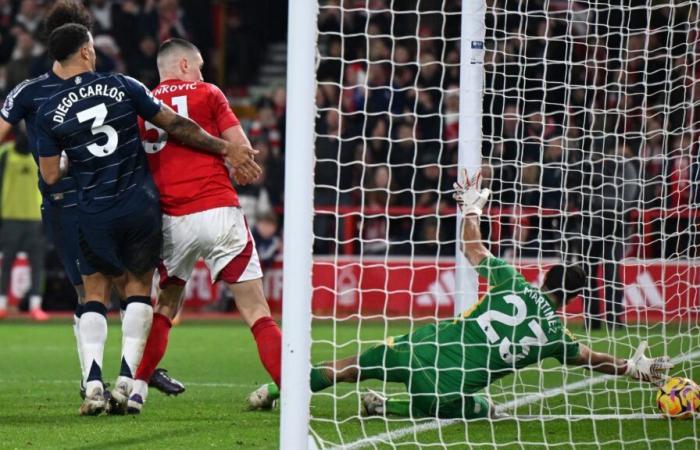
x,y
13,109
145,103
497,271
569,348
47,143
223,116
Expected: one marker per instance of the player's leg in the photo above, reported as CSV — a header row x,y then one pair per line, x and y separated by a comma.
x,y
61,227
92,330
467,407
180,251
252,304
380,362
234,260
167,307
136,325
140,239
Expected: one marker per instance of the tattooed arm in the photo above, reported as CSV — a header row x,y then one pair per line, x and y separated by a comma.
x,y
188,132
192,135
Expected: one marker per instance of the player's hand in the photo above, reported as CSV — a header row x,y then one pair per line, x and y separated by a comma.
x,y
651,370
242,159
241,178
470,198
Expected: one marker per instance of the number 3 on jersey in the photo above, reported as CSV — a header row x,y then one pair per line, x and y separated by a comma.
x,y
180,105
98,114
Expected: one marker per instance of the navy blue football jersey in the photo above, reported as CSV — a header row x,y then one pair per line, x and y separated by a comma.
x,y
93,118
22,104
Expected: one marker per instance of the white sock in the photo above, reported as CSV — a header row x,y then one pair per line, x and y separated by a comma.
x,y
92,330
3,301
35,302
136,325
76,332
140,387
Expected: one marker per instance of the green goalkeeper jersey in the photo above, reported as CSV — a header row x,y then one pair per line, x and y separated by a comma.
x,y
512,326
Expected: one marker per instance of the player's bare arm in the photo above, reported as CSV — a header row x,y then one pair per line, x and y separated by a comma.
x,y
189,133
5,128
236,136
470,200
639,367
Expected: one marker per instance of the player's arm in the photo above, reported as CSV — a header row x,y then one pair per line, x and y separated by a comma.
x,y
49,149
5,128
236,136
192,135
639,367
472,246
470,199
230,127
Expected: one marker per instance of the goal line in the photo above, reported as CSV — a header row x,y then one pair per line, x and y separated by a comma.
x,y
392,436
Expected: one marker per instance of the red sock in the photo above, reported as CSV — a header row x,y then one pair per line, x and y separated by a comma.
x,y
269,339
155,347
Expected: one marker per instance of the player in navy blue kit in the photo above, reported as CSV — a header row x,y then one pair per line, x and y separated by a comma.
x,y
92,119
59,208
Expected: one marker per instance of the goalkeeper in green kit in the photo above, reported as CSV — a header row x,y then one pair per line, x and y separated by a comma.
x,y
444,365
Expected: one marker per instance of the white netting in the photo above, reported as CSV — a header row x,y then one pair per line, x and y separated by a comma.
x,y
591,114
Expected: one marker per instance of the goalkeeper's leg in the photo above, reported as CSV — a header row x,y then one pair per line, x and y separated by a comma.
x,y
378,363
467,407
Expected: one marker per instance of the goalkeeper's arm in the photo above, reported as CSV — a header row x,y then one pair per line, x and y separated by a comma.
x,y
639,367
470,200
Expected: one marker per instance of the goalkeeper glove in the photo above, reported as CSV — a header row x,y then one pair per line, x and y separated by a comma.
x,y
470,199
651,370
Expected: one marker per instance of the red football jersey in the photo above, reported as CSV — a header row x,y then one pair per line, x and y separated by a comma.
x,y
189,180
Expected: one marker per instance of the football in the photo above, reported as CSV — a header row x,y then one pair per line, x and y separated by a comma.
x,y
678,398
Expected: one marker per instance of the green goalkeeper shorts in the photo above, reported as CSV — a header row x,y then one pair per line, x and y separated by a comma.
x,y
430,370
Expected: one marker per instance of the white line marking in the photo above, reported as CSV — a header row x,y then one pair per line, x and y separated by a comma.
x,y
526,400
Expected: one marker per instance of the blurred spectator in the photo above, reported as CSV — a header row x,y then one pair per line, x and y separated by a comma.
x,y
266,125
103,11
254,200
20,221
30,15
23,57
142,65
267,240
373,225
610,193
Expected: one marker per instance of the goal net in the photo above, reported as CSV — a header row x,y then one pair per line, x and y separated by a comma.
x,y
589,115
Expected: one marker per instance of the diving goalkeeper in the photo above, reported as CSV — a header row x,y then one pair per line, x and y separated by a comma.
x,y
513,325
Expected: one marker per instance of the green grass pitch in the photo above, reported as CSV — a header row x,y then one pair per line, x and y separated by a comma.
x,y
218,362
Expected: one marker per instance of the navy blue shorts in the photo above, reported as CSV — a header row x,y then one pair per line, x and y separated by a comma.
x,y
126,237
61,227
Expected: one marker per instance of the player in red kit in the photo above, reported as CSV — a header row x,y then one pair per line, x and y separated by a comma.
x,y
201,214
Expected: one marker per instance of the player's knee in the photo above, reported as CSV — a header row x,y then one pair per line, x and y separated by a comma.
x,y
169,300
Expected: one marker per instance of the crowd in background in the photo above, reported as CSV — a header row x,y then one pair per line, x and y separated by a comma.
x,y
127,34
588,111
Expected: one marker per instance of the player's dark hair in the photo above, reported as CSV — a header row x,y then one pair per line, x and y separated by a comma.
x,y
63,12
175,44
564,281
66,40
